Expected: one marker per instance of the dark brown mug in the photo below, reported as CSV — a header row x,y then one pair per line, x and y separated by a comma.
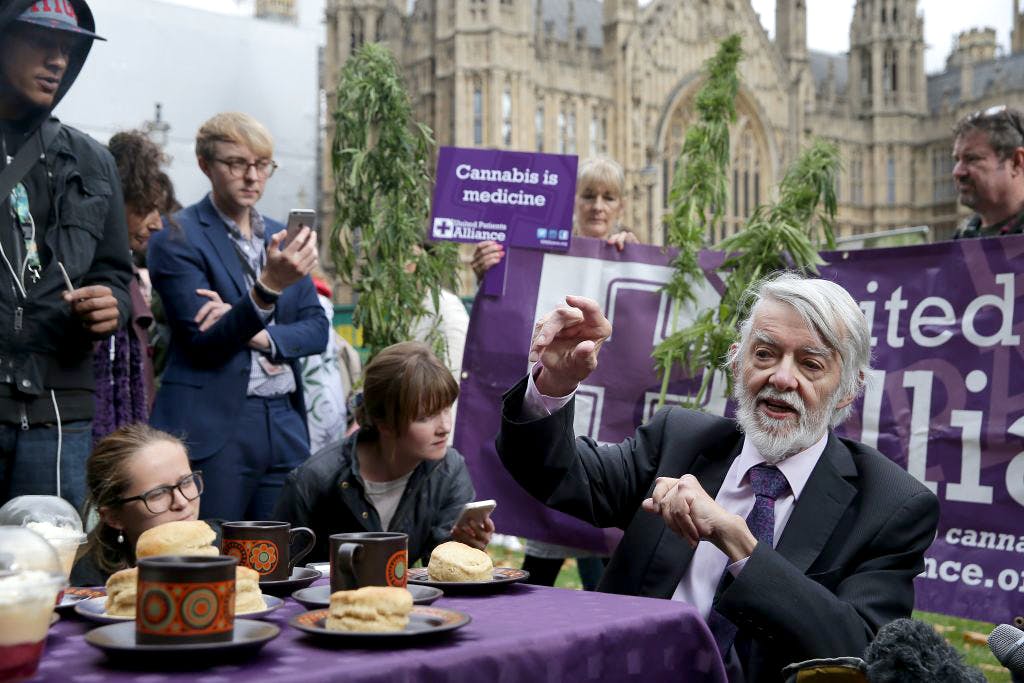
x,y
265,546
369,558
185,600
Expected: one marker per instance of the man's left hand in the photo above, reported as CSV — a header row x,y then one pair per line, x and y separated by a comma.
x,y
690,512
96,307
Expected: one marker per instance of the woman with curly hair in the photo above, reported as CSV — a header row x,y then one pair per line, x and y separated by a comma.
x,y
122,364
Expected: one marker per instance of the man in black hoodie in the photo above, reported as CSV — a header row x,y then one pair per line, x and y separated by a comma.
x,y
64,258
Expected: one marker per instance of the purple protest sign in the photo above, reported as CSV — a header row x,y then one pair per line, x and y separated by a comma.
x,y
520,199
945,400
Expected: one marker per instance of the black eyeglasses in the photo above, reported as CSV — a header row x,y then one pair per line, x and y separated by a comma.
x,y
997,110
159,500
239,167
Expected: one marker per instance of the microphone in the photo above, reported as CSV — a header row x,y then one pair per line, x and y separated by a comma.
x,y
911,651
1007,644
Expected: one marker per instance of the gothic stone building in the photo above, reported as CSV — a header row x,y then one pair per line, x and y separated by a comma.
x,y
586,77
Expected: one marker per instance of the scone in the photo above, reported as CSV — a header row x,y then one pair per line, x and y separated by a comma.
x,y
248,597
371,609
177,538
454,561
121,590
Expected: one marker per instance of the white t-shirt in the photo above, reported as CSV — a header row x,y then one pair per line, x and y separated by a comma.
x,y
385,496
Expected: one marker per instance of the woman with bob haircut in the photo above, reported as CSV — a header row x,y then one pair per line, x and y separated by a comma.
x,y
396,472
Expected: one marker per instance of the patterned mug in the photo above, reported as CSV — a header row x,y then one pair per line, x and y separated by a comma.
x,y
185,600
369,558
265,546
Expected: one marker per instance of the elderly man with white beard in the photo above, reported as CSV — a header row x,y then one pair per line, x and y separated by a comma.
x,y
793,542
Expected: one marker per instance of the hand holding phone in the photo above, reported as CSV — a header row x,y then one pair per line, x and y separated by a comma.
x,y
475,513
474,527
297,218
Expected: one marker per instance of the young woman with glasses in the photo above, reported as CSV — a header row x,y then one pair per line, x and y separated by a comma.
x,y
138,478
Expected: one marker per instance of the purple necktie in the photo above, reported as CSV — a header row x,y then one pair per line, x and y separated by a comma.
x,y
768,483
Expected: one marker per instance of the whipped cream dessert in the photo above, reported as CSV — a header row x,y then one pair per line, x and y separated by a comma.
x,y
64,539
26,603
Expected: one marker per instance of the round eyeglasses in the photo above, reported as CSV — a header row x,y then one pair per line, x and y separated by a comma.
x,y
159,499
239,167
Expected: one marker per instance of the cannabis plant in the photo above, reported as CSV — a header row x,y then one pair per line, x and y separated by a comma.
x,y
785,235
782,235
699,195
381,159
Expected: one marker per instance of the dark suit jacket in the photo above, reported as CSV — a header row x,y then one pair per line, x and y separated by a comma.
x,y
204,386
843,567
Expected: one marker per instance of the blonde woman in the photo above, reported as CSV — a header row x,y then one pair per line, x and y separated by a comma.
x,y
600,200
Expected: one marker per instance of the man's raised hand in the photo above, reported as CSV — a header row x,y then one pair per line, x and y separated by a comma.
x,y
566,341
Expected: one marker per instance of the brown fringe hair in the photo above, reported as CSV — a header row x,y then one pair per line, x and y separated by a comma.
x,y
402,383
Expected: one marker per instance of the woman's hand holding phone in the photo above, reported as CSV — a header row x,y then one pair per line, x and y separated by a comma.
x,y
474,526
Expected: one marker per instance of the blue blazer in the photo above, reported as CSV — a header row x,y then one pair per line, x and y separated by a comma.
x,y
203,389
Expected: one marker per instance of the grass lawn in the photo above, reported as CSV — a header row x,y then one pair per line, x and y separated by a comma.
x,y
967,636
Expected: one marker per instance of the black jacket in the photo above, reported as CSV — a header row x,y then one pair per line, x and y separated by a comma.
x,y
326,494
42,346
843,567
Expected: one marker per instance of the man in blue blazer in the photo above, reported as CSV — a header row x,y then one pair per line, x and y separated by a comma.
x,y
242,311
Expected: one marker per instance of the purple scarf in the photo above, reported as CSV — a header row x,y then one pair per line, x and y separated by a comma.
x,y
120,391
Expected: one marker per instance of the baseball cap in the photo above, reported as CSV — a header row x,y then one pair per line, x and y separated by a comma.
x,y
55,14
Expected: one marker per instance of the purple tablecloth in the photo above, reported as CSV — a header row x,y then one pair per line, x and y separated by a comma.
x,y
522,633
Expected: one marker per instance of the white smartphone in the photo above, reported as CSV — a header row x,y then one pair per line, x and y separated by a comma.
x,y
476,512
296,219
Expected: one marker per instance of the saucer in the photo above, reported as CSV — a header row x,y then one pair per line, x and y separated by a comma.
x,y
300,578
424,623
95,609
273,603
500,578
316,597
118,642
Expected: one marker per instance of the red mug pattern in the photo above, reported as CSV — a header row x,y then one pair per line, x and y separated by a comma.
x,y
185,609
260,555
397,564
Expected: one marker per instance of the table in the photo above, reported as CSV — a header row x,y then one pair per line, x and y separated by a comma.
x,y
521,633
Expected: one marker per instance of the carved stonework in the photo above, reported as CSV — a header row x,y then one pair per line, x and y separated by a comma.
x,y
635,71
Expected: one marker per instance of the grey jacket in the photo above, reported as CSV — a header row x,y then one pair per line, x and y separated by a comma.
x,y
326,494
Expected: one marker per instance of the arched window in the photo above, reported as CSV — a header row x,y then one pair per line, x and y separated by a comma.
x,y
356,36
749,174
746,180
506,117
538,126
561,130
478,114
570,131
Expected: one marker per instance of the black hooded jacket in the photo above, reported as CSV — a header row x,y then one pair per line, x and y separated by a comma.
x,y
78,210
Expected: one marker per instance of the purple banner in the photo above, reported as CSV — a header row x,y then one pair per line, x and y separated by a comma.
x,y
519,199
945,400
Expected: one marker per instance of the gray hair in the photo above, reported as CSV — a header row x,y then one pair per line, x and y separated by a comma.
x,y
1004,126
830,311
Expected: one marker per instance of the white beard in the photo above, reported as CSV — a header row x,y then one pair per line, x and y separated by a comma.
x,y
773,438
